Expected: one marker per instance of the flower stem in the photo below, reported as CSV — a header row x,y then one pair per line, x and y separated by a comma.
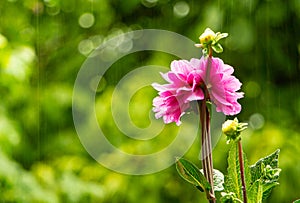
x,y
242,170
210,52
206,150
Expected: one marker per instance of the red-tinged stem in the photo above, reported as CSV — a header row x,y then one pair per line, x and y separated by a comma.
x,y
210,52
206,151
242,171
209,152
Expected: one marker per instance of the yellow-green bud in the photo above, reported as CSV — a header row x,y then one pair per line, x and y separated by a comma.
x,y
209,41
207,37
232,129
229,127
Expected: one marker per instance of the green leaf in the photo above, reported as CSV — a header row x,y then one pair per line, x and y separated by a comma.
x,y
229,198
233,181
218,179
217,48
255,193
189,172
266,170
271,160
297,201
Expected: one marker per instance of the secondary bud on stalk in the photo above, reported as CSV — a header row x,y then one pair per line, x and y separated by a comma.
x,y
209,40
207,37
229,127
232,129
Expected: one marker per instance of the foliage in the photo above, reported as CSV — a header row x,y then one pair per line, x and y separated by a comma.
x,y
189,172
266,172
233,179
193,175
42,47
260,177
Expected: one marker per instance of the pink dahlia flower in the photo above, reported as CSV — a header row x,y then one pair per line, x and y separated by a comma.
x,y
188,81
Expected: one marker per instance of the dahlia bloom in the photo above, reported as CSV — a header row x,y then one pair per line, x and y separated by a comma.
x,y
189,81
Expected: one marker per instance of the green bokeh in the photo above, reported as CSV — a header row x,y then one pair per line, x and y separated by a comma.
x,y
42,47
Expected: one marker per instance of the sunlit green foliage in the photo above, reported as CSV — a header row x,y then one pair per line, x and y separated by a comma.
x,y
43,44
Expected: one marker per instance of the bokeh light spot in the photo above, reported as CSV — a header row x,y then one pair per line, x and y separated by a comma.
x,y
97,40
149,3
256,121
85,46
125,46
181,9
20,62
50,3
86,20
54,10
3,41
252,89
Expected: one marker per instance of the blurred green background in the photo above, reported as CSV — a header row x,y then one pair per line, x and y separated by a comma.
x,y
42,47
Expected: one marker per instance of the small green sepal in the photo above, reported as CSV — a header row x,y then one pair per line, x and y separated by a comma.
x,y
217,48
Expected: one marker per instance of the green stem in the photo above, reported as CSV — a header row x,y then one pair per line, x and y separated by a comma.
x,y
242,171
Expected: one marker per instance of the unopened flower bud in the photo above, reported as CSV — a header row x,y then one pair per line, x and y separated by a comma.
x,y
209,41
207,37
232,128
229,127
